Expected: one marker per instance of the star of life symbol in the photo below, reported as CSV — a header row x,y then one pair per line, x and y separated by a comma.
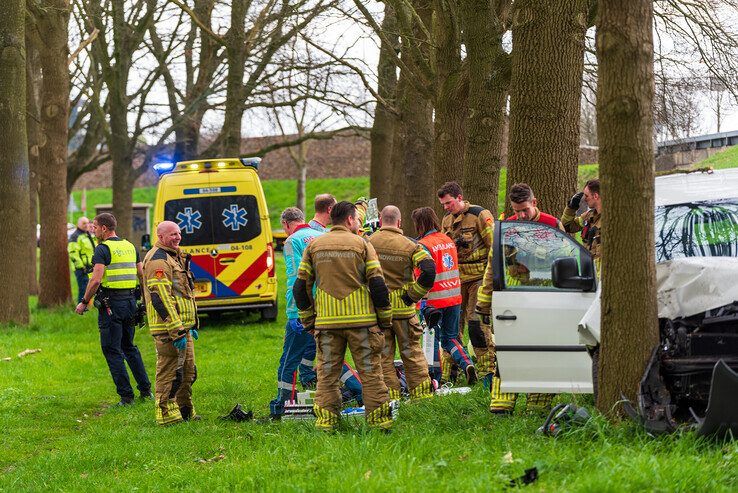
x,y
235,217
189,220
448,261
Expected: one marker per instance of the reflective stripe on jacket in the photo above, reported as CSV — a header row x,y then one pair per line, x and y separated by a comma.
x,y
121,273
169,291
400,257
446,290
471,230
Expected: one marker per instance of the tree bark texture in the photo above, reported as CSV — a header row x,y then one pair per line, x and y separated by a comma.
x,y
54,286
624,128
489,80
545,89
412,176
383,127
33,130
451,95
188,136
232,121
14,164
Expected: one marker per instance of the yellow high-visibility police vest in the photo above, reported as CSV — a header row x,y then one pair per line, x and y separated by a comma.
x,y
121,273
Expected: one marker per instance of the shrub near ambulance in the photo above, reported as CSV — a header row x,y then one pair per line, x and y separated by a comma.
x,y
221,209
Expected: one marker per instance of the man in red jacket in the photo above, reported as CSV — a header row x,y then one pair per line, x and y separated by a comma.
x,y
524,205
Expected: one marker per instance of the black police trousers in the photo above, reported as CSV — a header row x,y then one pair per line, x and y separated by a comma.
x,y
117,330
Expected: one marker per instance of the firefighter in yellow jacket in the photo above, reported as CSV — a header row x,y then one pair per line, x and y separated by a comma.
x,y
172,317
399,256
470,226
350,307
590,222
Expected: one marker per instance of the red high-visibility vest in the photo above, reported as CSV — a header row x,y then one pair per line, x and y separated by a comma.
x,y
544,218
446,290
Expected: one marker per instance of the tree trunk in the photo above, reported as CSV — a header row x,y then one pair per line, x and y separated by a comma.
x,y
302,166
547,66
412,175
232,122
489,79
624,130
54,286
383,127
33,119
452,89
14,164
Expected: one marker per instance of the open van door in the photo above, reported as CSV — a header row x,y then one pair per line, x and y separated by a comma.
x,y
544,282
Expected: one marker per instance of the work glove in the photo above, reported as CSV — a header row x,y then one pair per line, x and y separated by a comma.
x,y
180,344
575,200
295,326
137,293
406,299
194,333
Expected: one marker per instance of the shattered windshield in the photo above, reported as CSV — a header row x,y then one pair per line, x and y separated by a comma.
x,y
697,229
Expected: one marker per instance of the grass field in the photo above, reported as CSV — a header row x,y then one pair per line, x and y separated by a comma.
x,y
61,433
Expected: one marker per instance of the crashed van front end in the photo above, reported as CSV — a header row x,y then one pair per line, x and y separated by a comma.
x,y
691,377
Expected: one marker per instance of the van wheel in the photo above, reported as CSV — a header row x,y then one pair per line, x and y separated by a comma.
x,y
270,314
595,368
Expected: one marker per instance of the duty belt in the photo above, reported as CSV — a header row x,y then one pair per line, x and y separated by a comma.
x,y
117,293
479,261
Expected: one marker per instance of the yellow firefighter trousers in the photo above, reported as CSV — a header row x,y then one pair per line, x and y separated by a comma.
x,y
175,373
406,334
366,346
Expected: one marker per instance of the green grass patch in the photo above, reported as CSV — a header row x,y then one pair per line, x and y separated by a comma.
x,y
721,160
61,433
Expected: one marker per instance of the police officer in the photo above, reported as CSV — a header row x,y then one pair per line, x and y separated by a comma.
x,y
80,248
524,205
298,349
470,227
399,257
116,271
172,316
444,298
588,223
350,307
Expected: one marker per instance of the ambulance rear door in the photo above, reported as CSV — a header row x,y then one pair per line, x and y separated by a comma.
x,y
240,250
535,322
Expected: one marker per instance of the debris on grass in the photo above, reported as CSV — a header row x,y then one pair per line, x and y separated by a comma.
x,y
530,476
25,353
216,458
7,359
508,458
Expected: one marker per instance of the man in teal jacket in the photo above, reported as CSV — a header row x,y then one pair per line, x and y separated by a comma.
x,y
298,351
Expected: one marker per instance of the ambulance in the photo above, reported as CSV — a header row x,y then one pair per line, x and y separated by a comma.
x,y
221,209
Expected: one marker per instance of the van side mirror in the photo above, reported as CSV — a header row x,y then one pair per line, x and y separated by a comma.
x,y
565,273
146,242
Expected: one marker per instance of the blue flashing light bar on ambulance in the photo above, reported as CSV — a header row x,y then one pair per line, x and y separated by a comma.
x,y
207,166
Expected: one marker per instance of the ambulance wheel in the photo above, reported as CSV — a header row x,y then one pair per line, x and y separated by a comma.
x,y
270,314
